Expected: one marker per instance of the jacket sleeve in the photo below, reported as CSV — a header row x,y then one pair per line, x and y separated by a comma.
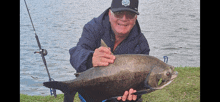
x,y
81,54
145,49
80,58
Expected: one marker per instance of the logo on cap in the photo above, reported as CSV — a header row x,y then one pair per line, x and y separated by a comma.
x,y
125,2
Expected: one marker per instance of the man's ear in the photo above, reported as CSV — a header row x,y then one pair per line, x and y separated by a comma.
x,y
109,12
135,19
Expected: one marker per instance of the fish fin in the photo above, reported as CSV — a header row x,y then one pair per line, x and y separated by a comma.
x,y
141,92
69,97
103,44
77,74
69,93
64,87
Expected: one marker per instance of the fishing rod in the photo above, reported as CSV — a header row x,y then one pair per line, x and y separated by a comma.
x,y
41,51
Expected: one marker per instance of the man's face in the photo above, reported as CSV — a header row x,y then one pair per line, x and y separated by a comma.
x,y
122,22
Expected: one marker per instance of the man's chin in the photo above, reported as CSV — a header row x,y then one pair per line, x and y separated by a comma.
x,y
122,34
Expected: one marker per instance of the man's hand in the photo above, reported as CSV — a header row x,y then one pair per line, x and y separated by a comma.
x,y
127,95
102,57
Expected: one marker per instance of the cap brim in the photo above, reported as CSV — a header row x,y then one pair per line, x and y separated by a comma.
x,y
124,9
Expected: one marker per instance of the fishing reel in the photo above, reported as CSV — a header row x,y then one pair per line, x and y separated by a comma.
x,y
42,51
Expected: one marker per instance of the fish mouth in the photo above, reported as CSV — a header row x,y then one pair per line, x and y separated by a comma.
x,y
174,75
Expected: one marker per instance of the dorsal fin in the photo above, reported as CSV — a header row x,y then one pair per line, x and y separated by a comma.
x,y
104,44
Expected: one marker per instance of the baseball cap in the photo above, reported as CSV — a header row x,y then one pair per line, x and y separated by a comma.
x,y
125,5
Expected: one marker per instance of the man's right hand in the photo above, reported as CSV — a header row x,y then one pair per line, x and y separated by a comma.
x,y
102,57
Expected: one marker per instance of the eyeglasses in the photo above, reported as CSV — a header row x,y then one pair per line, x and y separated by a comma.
x,y
120,14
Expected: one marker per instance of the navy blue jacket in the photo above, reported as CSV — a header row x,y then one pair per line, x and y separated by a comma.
x,y
100,28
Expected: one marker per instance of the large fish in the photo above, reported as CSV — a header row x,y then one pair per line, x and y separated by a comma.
x,y
141,72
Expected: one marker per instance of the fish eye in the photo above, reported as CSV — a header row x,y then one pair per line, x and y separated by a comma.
x,y
168,73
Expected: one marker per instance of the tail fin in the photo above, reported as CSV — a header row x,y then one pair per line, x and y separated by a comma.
x,y
69,92
58,85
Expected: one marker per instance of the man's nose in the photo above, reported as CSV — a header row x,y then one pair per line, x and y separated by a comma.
x,y
124,17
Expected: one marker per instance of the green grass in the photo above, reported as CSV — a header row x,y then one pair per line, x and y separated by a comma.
x,y
59,98
185,88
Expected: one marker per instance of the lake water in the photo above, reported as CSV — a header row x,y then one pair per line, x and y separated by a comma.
x,y
172,28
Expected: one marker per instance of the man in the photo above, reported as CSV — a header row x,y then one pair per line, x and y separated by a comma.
x,y
119,28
